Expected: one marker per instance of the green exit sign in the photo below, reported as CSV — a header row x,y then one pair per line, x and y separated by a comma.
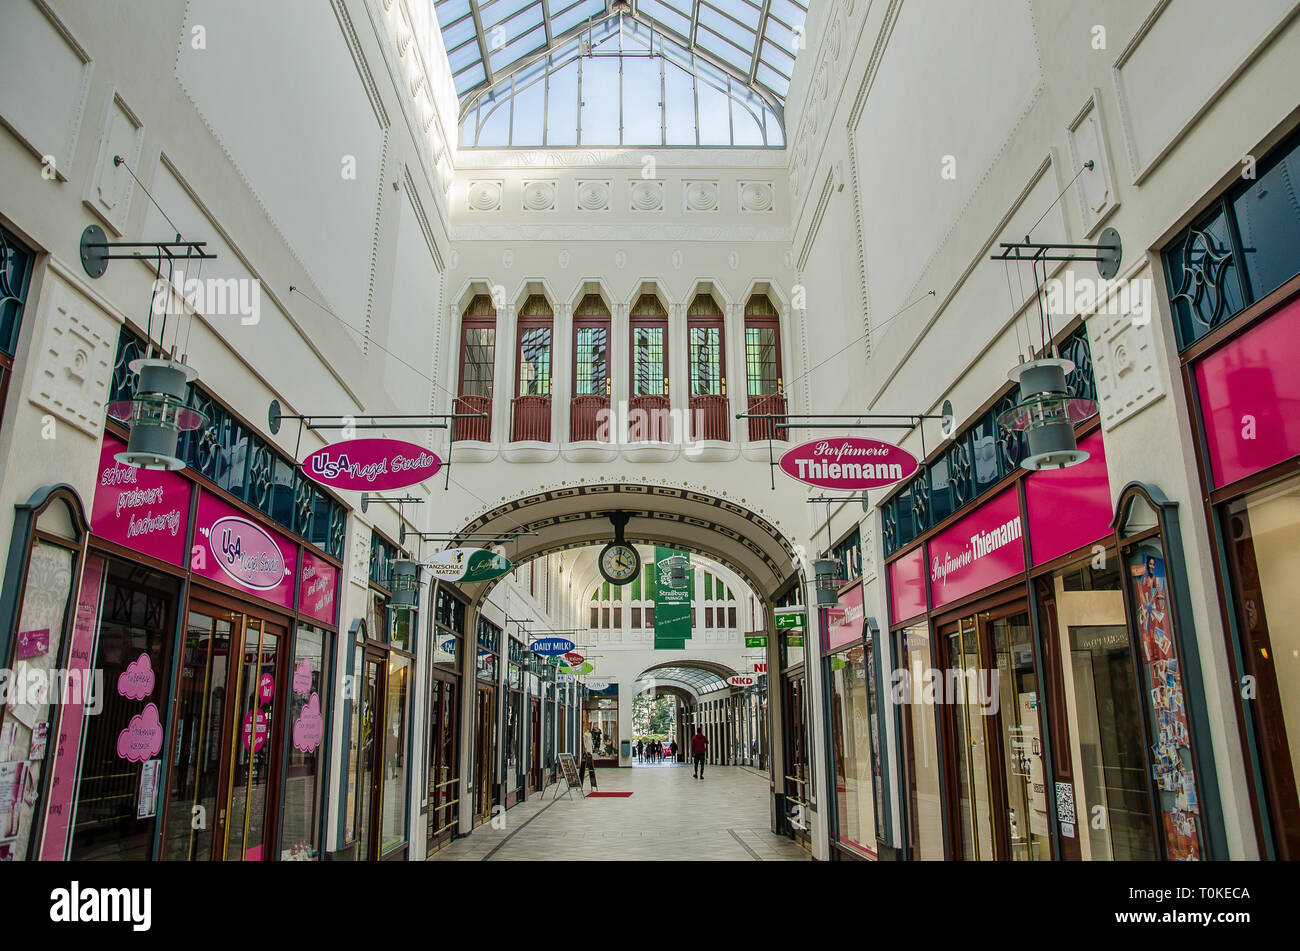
x,y
757,641
795,640
788,618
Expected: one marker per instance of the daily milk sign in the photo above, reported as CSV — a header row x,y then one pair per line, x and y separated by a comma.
x,y
848,463
368,465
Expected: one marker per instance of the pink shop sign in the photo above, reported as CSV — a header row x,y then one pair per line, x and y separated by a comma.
x,y
848,463
907,586
234,550
317,586
371,465
844,623
981,549
1250,398
1069,508
142,509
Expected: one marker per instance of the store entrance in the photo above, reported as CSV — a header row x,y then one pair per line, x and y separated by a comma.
x,y
534,744
225,782
997,791
483,747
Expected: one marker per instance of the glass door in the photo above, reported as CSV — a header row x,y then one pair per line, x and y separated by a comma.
x,y
254,743
967,721
444,774
534,744
193,818
369,776
1019,702
222,800
483,733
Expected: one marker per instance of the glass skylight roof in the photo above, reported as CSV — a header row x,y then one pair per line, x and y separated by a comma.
x,y
752,41
620,84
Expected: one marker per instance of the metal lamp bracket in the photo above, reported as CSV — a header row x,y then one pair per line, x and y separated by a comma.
x,y
1108,253
97,250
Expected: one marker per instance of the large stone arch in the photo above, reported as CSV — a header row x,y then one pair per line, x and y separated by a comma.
x,y
577,515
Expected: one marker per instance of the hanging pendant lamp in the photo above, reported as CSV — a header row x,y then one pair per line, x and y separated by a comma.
x,y
158,413
1047,413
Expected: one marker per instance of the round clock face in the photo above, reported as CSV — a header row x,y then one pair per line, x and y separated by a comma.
x,y
619,563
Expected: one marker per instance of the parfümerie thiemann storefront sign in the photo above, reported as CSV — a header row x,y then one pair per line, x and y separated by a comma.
x,y
848,463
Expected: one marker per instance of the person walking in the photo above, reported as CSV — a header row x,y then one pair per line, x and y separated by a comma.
x,y
672,750
640,749
699,746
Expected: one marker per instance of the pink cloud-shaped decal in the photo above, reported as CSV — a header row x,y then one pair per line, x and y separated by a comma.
x,y
136,682
142,738
307,728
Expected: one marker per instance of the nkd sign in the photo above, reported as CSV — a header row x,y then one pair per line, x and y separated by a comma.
x,y
848,463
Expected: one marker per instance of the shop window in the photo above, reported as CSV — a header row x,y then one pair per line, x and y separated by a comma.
x,y
636,617
305,779
1102,754
920,745
852,753
395,745
731,618
595,618
1263,532
478,347
35,619
618,619
1165,704
15,277
117,798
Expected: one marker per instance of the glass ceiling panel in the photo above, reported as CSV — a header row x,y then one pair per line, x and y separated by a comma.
x,y
602,88
750,41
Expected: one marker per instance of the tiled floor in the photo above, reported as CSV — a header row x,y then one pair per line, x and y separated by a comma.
x,y
669,816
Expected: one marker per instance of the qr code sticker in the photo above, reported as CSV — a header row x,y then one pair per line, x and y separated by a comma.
x,y
1065,802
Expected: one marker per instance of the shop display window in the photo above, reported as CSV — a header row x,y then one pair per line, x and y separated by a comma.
x,y
1083,612
853,748
396,723
305,778
600,727
29,714
925,803
117,797
1263,532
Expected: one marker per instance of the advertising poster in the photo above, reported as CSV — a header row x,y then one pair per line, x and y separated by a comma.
x,y
672,602
1171,754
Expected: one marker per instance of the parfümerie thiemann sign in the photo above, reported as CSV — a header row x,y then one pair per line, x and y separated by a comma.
x,y
848,463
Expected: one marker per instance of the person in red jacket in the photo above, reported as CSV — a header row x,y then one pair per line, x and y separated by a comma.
x,y
699,745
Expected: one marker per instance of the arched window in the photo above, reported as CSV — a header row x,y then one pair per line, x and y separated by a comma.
x,y
591,381
763,366
478,348
532,403
709,404
648,407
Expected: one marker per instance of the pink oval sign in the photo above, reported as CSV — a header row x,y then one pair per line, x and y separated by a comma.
x,y
848,462
247,553
367,465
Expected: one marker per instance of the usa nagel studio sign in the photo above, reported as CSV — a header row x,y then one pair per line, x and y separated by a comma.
x,y
848,463
366,465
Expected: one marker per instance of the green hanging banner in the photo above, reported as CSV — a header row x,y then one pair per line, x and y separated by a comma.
x,y
673,579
